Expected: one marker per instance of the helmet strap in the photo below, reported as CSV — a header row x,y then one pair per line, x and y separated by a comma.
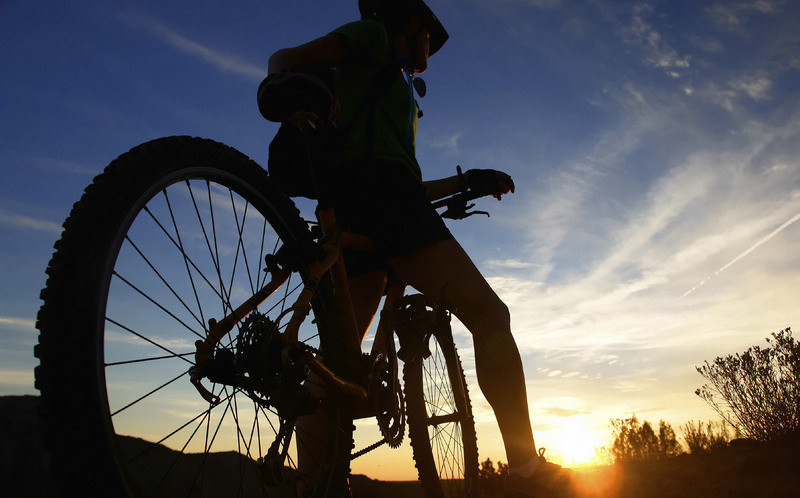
x,y
411,46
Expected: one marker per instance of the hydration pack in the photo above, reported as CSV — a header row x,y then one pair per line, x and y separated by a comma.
x,y
303,161
294,151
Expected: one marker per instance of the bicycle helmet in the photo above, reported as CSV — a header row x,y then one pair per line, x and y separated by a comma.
x,y
372,9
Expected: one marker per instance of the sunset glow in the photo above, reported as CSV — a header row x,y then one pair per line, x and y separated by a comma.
x,y
655,148
576,444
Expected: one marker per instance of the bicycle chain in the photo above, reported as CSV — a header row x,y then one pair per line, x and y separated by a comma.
x,y
392,428
366,450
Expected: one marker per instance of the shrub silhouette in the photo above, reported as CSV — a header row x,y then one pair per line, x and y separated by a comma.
x,y
492,479
634,441
757,392
701,438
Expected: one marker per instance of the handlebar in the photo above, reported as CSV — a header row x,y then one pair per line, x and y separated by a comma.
x,y
457,207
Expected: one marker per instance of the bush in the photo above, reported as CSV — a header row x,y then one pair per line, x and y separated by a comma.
x,y
491,478
757,392
701,438
634,441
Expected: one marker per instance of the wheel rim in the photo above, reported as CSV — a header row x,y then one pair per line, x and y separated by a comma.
x,y
193,251
445,413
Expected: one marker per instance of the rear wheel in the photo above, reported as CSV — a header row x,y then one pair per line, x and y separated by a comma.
x,y
440,422
172,234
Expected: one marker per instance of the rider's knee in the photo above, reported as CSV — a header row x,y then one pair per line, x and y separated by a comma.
x,y
491,316
499,312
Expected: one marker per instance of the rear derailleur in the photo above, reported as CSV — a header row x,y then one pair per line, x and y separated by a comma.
x,y
263,367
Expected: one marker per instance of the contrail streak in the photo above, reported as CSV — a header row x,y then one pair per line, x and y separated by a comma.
x,y
220,60
745,253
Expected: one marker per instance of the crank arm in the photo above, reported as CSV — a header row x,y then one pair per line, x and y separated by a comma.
x,y
332,380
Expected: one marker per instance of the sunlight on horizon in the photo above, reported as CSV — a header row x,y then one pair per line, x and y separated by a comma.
x,y
575,444
654,226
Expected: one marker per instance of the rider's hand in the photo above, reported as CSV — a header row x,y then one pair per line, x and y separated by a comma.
x,y
488,182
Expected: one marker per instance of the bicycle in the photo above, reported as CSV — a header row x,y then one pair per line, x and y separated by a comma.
x,y
176,353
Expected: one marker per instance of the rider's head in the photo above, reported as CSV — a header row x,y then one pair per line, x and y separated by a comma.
x,y
413,22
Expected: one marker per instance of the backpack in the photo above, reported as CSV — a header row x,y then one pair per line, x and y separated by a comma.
x,y
293,151
303,161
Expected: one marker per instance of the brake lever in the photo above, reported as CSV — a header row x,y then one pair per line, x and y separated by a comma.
x,y
458,210
468,214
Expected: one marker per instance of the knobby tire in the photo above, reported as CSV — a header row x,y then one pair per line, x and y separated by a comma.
x,y
100,402
440,421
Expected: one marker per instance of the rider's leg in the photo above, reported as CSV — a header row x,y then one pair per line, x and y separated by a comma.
x,y
365,292
445,268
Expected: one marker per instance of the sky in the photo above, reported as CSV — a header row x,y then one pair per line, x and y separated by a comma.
x,y
654,145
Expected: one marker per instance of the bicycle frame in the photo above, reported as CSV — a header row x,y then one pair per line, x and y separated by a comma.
x,y
288,389
333,241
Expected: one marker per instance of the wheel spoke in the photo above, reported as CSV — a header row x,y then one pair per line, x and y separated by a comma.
x,y
140,336
208,444
189,260
162,386
152,358
204,414
443,423
200,320
183,253
240,243
203,230
162,308
225,302
181,453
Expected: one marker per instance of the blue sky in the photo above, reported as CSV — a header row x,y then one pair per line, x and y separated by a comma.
x,y
654,146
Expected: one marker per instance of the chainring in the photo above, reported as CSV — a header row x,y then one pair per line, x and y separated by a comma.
x,y
388,401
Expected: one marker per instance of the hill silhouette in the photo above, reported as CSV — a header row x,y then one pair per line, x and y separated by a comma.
x,y
744,469
24,463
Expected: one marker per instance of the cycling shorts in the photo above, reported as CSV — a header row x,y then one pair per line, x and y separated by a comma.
x,y
386,202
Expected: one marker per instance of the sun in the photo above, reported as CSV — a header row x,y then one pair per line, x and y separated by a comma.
x,y
576,444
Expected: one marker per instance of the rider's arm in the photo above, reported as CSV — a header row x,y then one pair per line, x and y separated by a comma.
x,y
439,189
326,50
484,181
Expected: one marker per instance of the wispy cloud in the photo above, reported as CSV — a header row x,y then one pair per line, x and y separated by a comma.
x,y
755,86
541,4
659,52
735,15
706,43
53,164
557,212
614,333
449,143
17,323
220,60
510,264
25,222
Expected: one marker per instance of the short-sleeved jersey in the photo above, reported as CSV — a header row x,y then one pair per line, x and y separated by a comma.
x,y
366,53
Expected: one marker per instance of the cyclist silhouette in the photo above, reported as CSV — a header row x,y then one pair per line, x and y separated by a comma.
x,y
381,194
